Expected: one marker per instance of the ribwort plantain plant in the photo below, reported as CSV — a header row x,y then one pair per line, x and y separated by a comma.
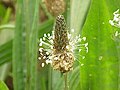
x,y
58,48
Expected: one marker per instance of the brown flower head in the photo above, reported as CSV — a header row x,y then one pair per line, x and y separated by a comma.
x,y
55,7
62,56
58,49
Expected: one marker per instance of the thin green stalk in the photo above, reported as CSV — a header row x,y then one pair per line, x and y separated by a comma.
x,y
66,81
50,79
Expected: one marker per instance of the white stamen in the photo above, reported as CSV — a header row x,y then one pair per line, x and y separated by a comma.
x,y
51,41
80,50
40,49
48,61
84,38
111,22
86,44
56,58
67,47
40,39
44,57
40,44
116,20
43,64
79,39
69,36
83,57
44,38
39,58
47,53
82,64
100,57
48,35
45,35
116,33
51,46
72,30
87,49
50,57
116,12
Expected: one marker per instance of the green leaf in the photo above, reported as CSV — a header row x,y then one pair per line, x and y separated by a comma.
x,y
2,12
45,27
101,67
3,86
25,45
19,49
6,52
79,9
73,79
7,16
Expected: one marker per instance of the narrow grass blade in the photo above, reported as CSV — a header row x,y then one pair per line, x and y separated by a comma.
x,y
25,45
19,56
78,13
6,52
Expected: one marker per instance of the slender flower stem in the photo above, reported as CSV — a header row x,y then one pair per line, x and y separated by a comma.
x,y
66,82
50,79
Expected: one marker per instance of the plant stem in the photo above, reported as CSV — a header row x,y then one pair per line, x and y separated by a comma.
x,y
50,79
66,82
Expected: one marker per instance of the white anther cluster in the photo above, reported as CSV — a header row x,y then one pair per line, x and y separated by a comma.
x,y
46,46
116,20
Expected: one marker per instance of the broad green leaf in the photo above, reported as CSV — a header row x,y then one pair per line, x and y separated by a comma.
x,y
100,70
3,86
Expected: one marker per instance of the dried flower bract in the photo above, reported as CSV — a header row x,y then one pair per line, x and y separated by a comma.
x,y
55,7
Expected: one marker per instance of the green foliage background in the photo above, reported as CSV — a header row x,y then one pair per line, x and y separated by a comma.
x,y
19,46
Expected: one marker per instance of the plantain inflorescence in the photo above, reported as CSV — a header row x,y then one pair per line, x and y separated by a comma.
x,y
58,48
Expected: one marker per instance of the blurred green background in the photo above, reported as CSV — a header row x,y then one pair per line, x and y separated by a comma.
x,y
23,22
